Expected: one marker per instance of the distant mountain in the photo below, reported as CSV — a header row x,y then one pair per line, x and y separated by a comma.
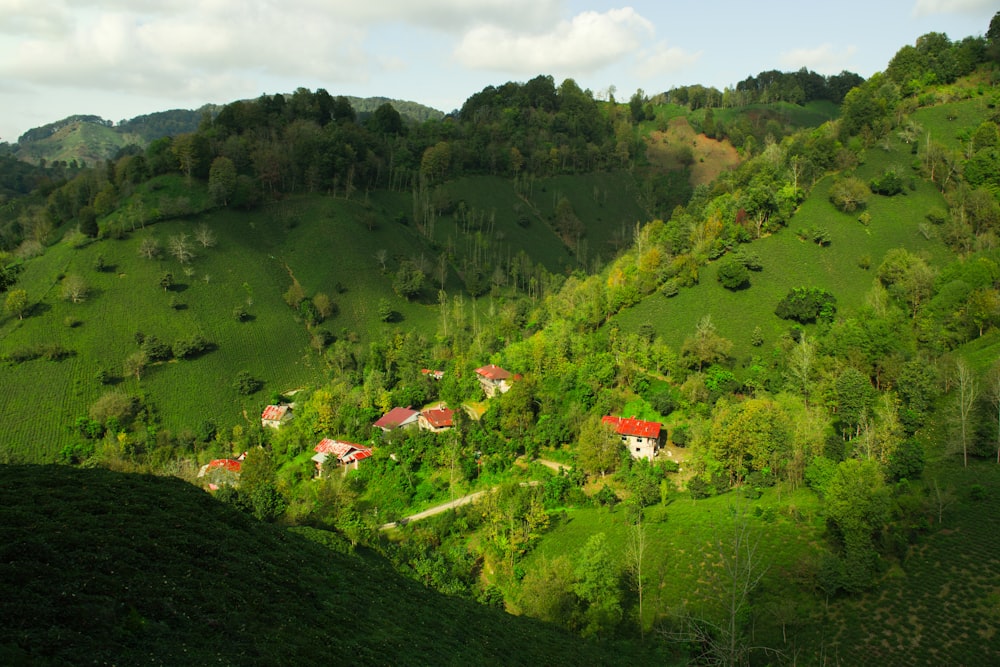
x,y
88,139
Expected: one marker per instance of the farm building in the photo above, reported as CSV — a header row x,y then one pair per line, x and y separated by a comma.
x,y
494,379
221,472
436,419
346,454
641,437
274,416
397,418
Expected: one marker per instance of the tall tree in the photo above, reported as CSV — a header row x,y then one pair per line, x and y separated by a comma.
x,y
600,446
968,392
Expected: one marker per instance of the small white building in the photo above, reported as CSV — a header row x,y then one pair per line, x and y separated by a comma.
x,y
275,415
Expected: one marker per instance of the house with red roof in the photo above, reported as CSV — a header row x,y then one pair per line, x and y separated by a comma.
x,y
274,416
436,419
219,472
641,437
433,374
494,379
346,454
397,418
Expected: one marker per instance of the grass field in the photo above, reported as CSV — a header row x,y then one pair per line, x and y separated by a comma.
x,y
683,562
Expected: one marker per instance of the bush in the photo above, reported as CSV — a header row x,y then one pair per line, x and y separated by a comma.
x,y
733,274
888,184
807,304
246,384
849,194
187,348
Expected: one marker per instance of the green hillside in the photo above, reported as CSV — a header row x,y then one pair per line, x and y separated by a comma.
x,y
110,568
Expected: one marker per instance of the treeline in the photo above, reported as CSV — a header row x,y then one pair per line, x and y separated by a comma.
x,y
767,87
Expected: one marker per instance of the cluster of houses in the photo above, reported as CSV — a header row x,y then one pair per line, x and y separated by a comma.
x,y
642,438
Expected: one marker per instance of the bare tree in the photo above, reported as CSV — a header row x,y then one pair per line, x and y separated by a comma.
x,y
725,641
968,392
993,387
136,363
636,550
205,236
381,256
149,248
180,247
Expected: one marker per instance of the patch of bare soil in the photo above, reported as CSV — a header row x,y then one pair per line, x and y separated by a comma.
x,y
679,145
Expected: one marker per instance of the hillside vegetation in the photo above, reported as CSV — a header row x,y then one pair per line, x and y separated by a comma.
x,y
109,568
797,280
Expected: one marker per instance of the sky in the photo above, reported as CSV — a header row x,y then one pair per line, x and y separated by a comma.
x,y
122,58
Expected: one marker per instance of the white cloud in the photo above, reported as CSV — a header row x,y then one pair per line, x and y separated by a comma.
x,y
662,59
824,59
586,43
931,7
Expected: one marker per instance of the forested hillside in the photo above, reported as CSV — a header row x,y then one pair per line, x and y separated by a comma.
x,y
814,331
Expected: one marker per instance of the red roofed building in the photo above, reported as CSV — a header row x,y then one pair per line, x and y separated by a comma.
x,y
437,375
275,415
345,453
222,471
437,419
397,418
494,379
641,437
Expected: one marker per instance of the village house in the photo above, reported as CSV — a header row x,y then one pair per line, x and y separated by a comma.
x,y
346,454
494,379
433,374
641,437
275,415
221,472
397,418
436,419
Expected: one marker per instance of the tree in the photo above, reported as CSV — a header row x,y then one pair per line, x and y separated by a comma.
x,y
246,384
733,274
801,360
136,363
706,346
636,550
205,236
857,505
993,387
167,281
149,248
222,180
600,446
849,194
179,246
74,288
325,307
547,593
807,304
598,585
16,303
968,393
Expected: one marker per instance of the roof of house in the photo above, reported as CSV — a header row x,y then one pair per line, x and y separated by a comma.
x,y
630,426
274,412
396,417
346,452
439,417
493,372
437,375
232,465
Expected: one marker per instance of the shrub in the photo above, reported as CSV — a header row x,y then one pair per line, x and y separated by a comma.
x,y
888,184
807,304
849,194
246,384
155,349
187,348
733,274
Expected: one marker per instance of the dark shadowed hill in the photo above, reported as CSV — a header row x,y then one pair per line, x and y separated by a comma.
x,y
98,567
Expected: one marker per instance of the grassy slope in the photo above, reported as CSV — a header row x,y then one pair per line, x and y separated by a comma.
x,y
106,568
682,562
791,262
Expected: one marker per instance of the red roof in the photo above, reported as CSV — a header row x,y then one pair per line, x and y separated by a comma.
x,y
631,426
232,465
396,417
493,372
346,452
437,375
439,417
274,412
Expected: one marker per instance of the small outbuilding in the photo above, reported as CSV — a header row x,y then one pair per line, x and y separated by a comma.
x,y
397,418
274,416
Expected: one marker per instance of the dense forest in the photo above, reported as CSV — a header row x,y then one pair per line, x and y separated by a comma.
x,y
816,433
